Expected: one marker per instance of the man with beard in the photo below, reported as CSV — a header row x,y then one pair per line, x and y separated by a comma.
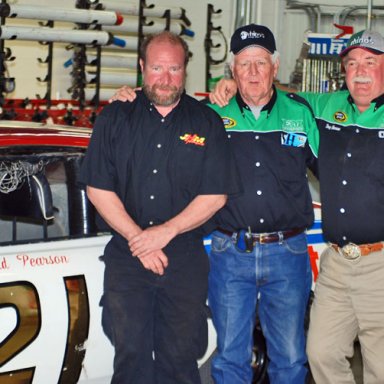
x,y
259,254
156,170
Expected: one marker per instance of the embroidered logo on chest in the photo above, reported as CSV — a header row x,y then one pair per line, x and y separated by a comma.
x,y
332,127
293,139
193,139
288,125
340,117
228,122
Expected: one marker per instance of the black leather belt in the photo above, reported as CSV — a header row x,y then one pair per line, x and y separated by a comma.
x,y
270,237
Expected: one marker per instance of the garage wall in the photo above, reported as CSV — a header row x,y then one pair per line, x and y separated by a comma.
x,y
26,67
292,20
290,24
296,23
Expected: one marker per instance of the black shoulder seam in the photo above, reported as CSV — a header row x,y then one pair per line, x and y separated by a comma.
x,y
301,100
205,101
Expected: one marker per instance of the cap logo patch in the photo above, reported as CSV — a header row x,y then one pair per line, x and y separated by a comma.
x,y
251,35
361,40
340,116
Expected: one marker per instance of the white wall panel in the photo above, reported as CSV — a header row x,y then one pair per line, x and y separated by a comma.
x,y
25,68
291,25
288,25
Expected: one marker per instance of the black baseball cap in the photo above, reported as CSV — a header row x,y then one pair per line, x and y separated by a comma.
x,y
252,35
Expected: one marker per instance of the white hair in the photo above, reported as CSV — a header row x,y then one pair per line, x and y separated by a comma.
x,y
275,56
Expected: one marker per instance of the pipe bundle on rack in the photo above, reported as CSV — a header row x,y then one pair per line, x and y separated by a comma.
x,y
127,43
97,69
134,9
129,25
115,79
114,61
74,36
84,16
104,93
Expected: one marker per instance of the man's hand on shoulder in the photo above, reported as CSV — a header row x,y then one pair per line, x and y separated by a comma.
x,y
224,90
125,93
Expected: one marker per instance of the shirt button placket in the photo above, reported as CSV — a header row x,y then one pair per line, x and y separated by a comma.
x,y
344,182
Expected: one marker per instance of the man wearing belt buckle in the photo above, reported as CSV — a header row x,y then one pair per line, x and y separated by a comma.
x,y
349,293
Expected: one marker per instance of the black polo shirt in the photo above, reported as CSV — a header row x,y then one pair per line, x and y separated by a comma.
x,y
272,154
351,168
157,165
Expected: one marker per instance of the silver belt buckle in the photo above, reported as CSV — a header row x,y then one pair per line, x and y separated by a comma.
x,y
351,251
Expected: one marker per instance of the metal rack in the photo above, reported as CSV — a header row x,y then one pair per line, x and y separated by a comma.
x,y
318,68
208,45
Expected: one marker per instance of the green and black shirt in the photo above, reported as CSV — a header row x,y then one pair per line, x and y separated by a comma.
x,y
351,167
272,154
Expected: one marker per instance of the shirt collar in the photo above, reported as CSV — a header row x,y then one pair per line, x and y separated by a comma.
x,y
267,107
379,101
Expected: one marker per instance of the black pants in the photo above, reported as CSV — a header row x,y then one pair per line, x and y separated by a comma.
x,y
157,324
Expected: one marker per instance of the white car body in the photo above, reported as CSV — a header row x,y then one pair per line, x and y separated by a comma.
x,y
49,297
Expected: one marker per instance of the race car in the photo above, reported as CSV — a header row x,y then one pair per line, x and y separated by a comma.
x,y
51,267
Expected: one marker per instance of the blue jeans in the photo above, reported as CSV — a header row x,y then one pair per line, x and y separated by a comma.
x,y
278,275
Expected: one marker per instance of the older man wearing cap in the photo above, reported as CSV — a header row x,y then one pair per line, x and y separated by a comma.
x,y
349,293
259,251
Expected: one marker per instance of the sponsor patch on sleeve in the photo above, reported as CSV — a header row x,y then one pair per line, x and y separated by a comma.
x,y
228,122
